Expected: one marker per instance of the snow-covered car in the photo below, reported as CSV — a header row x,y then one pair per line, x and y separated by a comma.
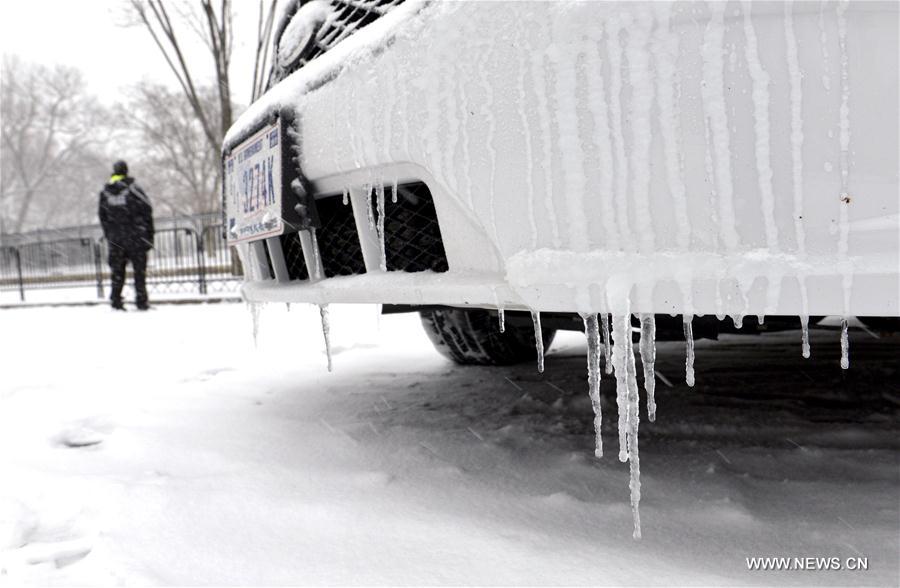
x,y
507,165
557,159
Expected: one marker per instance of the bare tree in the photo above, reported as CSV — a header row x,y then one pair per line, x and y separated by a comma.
x,y
178,169
211,21
214,26
155,17
49,127
263,47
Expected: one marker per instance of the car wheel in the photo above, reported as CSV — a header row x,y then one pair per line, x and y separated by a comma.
x,y
473,337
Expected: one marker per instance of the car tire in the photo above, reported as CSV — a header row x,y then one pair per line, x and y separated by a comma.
x,y
473,337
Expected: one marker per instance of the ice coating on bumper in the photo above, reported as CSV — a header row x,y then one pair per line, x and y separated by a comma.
x,y
583,120
594,122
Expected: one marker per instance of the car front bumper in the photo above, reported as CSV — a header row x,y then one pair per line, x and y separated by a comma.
x,y
668,158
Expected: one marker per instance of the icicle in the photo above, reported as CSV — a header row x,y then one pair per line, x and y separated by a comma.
x,y
621,342
689,355
804,302
379,197
634,457
317,270
760,319
370,214
394,191
607,346
648,360
287,306
255,309
738,320
804,326
326,331
592,331
628,401
538,340
845,345
346,196
501,317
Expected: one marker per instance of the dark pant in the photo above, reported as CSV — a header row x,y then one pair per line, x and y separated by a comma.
x,y
118,257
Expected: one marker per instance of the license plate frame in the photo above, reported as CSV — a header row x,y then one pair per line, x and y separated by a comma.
x,y
253,181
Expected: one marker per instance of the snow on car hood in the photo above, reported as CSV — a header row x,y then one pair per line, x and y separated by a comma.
x,y
361,45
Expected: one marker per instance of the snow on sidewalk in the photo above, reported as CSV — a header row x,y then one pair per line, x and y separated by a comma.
x,y
164,448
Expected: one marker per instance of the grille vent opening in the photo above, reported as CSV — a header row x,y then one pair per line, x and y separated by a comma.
x,y
412,236
338,240
293,256
413,241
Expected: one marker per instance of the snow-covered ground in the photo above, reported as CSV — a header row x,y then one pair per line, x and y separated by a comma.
x,y
164,448
87,293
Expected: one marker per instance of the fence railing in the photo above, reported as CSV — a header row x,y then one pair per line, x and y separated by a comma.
x,y
182,260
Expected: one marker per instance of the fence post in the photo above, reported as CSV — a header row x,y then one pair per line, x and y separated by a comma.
x,y
98,267
201,263
19,270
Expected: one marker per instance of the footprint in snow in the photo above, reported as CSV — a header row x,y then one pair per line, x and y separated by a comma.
x,y
84,433
30,538
206,375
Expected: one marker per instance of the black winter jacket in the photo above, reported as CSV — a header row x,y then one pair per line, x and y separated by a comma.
x,y
126,215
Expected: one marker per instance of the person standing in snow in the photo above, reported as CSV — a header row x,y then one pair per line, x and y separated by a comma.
x,y
127,220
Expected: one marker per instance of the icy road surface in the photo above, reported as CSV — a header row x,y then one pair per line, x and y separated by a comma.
x,y
163,448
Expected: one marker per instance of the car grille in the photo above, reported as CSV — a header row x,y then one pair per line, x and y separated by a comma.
x,y
352,15
412,237
293,256
337,238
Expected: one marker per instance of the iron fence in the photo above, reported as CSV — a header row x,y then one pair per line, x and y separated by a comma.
x,y
193,259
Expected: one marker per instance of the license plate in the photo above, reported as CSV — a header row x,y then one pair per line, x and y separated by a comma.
x,y
252,182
